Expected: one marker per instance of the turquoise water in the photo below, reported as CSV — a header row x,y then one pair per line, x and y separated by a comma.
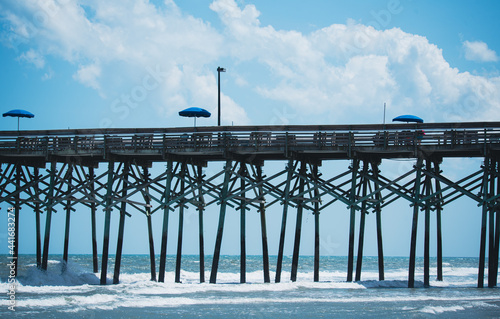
x,y
76,293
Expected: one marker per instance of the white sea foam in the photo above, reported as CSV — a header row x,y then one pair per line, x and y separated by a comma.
x,y
439,309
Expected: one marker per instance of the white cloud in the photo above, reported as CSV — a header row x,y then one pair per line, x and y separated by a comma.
x,y
33,57
349,71
89,75
478,51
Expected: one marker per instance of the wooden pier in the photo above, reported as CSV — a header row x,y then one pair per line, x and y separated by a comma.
x,y
41,170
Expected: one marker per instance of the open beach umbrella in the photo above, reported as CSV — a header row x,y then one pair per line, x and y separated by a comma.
x,y
19,114
408,119
195,112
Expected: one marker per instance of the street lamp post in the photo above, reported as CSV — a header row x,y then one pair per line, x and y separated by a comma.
x,y
219,70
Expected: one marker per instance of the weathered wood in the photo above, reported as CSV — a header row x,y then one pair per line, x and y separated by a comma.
x,y
298,224
439,233
316,227
222,215
178,259
286,196
121,225
95,257
68,178
378,213
352,223
166,211
107,222
427,236
361,240
263,228
482,244
243,207
50,201
413,243
201,210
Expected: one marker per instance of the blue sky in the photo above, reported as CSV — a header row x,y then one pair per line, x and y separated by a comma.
x,y
123,63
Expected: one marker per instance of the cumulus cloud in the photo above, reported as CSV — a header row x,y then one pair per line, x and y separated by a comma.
x,y
349,70
89,75
340,73
478,51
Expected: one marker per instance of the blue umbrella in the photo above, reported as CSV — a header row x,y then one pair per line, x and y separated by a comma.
x,y
195,112
408,118
19,114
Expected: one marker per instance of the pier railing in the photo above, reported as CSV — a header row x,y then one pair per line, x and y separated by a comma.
x,y
269,140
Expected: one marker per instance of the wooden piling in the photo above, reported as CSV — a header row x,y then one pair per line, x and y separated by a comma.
x,y
107,222
316,226
362,221
181,226
298,225
166,211
50,201
37,219
427,226
147,200
262,212
68,178
93,209
121,225
222,215
286,196
243,208
491,230
439,234
482,244
378,213
413,243
352,223
201,209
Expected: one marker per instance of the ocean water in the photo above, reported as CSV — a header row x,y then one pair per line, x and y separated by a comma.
x,y
76,293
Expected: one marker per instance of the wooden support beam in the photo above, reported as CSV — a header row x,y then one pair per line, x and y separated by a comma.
x,y
68,178
361,239
166,211
201,208
482,244
121,225
316,227
378,213
147,199
290,170
107,222
243,207
50,201
352,197
427,237
222,215
37,218
181,224
439,234
298,225
416,207
497,229
93,209
491,230
262,212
